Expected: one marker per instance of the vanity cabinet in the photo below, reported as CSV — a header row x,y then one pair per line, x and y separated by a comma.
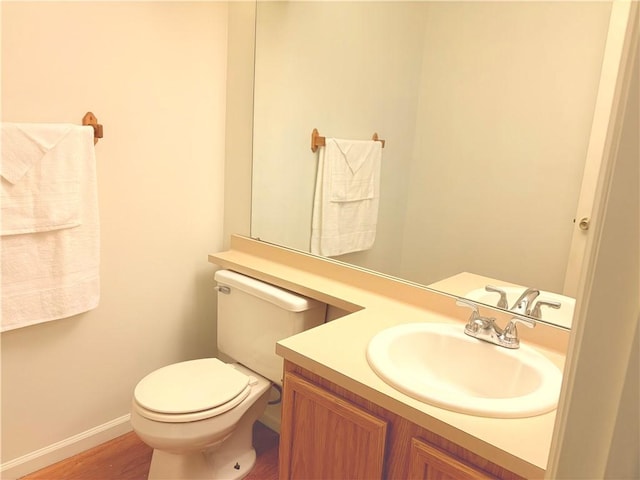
x,y
325,436
431,463
329,432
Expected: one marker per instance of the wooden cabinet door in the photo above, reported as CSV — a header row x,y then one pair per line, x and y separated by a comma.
x,y
326,437
430,463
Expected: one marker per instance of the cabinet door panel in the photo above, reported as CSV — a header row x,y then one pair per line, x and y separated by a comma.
x,y
324,436
431,463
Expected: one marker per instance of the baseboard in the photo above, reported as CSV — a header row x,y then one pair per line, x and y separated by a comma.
x,y
63,449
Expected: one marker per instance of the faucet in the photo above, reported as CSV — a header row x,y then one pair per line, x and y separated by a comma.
x,y
486,329
523,304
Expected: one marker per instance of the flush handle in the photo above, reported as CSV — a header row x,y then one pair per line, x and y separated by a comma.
x,y
224,289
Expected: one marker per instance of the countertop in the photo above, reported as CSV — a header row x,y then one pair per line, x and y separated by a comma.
x,y
336,350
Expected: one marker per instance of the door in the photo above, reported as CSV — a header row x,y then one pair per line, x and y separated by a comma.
x,y
430,463
324,436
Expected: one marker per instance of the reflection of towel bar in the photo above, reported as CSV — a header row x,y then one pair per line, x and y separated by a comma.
x,y
91,120
318,141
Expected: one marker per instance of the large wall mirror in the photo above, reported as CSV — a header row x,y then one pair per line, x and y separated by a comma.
x,y
486,109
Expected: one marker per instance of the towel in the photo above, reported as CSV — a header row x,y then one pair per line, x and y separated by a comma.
x,y
48,198
345,207
49,226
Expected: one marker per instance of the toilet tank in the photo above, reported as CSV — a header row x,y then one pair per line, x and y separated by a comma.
x,y
253,316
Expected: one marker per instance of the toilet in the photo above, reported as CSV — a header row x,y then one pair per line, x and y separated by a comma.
x,y
198,415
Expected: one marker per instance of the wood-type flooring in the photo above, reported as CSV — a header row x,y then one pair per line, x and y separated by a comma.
x,y
128,458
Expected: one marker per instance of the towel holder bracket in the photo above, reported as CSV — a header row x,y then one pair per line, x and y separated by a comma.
x,y
316,140
91,120
376,139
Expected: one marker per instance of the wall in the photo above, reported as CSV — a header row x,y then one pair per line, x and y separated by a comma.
x,y
507,97
154,74
623,460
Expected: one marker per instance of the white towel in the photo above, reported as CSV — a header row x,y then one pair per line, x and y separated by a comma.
x,y
345,207
43,198
50,228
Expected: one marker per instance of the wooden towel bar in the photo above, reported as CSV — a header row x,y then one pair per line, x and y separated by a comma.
x,y
318,141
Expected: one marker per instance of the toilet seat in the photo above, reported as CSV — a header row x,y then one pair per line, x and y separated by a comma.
x,y
191,391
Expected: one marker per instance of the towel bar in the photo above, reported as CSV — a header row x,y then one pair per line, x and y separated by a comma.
x,y
318,141
90,119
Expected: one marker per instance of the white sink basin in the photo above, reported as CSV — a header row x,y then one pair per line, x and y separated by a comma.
x,y
561,316
440,365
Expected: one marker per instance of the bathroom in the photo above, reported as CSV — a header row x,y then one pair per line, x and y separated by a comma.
x,y
165,202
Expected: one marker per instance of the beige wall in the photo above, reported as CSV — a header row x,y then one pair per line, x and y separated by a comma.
x,y
154,73
507,98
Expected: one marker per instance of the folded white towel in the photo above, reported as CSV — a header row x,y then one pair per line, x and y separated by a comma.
x,y
50,228
40,192
345,209
353,169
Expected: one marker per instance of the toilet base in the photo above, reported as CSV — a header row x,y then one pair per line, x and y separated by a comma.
x,y
231,459
201,465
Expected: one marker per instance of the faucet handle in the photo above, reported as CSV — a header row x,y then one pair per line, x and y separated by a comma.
x,y
502,303
537,310
510,332
475,320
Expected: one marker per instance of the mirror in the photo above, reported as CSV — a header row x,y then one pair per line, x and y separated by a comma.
x,y
486,110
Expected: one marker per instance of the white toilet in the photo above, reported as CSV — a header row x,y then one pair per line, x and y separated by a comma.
x,y
198,415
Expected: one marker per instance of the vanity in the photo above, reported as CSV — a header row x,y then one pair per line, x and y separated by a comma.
x,y
341,420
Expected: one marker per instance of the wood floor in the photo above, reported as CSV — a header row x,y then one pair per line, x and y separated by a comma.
x,y
128,458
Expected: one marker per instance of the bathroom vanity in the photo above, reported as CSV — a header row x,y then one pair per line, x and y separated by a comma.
x,y
330,432
340,420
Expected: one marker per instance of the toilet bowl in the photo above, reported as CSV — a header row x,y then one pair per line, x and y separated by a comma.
x,y
202,436
198,415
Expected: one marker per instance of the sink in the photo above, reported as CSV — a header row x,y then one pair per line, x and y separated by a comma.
x,y
561,316
438,364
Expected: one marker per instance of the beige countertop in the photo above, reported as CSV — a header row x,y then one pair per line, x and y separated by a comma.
x,y
336,350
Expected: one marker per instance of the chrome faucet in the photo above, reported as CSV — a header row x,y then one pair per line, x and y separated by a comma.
x,y
486,329
524,303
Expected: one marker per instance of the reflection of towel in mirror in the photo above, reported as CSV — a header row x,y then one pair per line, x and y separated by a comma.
x,y
345,207
50,237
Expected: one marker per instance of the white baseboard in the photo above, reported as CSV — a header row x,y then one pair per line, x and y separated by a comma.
x,y
63,449
56,452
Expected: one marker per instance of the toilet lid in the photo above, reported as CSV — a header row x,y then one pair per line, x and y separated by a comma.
x,y
191,386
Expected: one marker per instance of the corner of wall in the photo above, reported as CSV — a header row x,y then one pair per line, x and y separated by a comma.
x,y
239,133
